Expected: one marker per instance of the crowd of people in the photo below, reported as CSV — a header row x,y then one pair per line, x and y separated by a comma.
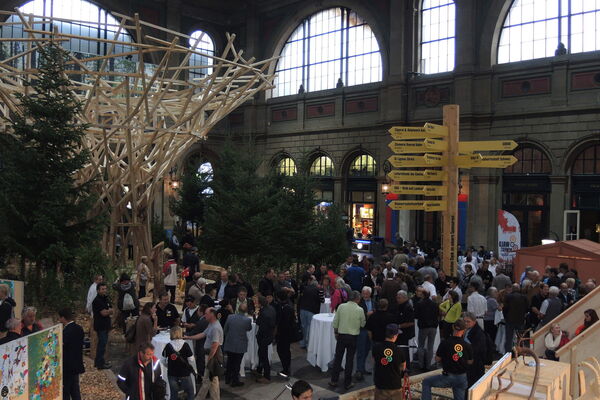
x,y
392,310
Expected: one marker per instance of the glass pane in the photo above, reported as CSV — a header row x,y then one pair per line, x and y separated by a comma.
x,y
437,37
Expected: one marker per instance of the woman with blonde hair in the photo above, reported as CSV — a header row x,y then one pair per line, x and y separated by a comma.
x,y
180,365
554,340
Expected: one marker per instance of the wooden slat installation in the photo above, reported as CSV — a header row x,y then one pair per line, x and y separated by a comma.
x,y
140,123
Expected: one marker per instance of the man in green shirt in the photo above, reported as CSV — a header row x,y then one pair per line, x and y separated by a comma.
x,y
348,320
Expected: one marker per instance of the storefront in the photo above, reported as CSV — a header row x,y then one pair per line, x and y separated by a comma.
x,y
361,188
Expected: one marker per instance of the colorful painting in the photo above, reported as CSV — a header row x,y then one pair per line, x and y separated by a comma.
x,y
14,370
45,364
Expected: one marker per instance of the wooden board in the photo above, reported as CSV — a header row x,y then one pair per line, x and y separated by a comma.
x,y
450,216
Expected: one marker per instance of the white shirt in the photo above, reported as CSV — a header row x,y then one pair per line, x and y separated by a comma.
x,y
477,304
492,269
191,310
385,272
457,290
92,293
430,287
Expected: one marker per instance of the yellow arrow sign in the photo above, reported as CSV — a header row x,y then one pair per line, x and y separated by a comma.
x,y
420,189
479,161
436,129
428,160
416,176
416,132
487,145
430,205
406,146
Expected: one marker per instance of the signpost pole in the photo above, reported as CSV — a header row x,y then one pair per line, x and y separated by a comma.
x,y
450,215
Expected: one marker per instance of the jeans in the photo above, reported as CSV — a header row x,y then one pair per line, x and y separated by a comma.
x,y
458,383
71,389
305,320
142,291
345,344
285,355
264,365
425,352
183,382
209,386
232,371
510,332
101,349
363,346
171,289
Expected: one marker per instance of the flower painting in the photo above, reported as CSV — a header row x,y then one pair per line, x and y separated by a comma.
x,y
45,364
14,370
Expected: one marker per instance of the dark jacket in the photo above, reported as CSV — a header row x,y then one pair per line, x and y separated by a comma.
x,y
230,291
476,336
310,299
266,321
235,334
6,312
515,309
427,312
128,378
368,281
101,323
126,289
363,305
405,314
266,287
73,349
10,336
286,322
192,262
249,302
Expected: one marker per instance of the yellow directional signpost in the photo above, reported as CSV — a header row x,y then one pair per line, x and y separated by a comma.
x,y
420,143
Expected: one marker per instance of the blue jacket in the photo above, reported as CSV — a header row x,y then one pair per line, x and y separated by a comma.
x,y
355,276
236,327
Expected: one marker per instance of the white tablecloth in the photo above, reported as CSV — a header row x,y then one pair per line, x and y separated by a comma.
x,y
321,344
326,306
250,359
159,342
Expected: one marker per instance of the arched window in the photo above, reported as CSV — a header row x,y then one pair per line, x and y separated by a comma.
x,y
531,160
94,22
331,48
588,161
322,166
205,170
544,28
286,166
437,36
201,42
363,166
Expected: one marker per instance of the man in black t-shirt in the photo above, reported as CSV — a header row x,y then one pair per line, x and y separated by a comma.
x,y
377,322
389,366
102,310
166,313
455,355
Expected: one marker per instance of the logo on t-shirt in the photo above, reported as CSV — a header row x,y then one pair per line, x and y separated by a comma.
x,y
459,352
388,353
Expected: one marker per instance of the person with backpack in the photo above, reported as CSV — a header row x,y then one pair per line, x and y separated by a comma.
x,y
127,302
340,294
181,364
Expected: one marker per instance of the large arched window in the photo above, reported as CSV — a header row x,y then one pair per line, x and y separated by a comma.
x,y
363,166
437,36
331,48
530,160
588,161
544,28
203,43
286,166
93,22
322,167
585,191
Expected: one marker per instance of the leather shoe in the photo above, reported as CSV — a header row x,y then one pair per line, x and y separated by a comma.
x,y
263,380
237,384
332,384
349,386
367,373
105,366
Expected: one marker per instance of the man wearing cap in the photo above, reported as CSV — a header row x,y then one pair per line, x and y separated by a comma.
x,y
455,355
389,366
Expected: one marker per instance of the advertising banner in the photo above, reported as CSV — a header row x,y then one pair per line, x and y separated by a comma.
x,y
509,236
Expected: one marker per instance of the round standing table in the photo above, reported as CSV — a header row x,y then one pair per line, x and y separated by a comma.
x,y
321,344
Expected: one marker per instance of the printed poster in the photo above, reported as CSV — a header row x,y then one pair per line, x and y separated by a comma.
x,y
509,236
31,367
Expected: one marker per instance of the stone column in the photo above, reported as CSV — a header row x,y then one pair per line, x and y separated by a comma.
x,y
558,205
484,201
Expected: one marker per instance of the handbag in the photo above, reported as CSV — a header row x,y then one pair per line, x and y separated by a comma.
x,y
215,367
159,389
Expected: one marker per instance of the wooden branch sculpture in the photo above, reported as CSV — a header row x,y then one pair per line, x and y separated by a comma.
x,y
140,121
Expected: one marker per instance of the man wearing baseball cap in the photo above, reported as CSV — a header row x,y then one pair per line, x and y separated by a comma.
x,y
454,354
389,365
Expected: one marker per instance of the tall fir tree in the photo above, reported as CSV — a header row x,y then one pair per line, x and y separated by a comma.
x,y
44,210
190,203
